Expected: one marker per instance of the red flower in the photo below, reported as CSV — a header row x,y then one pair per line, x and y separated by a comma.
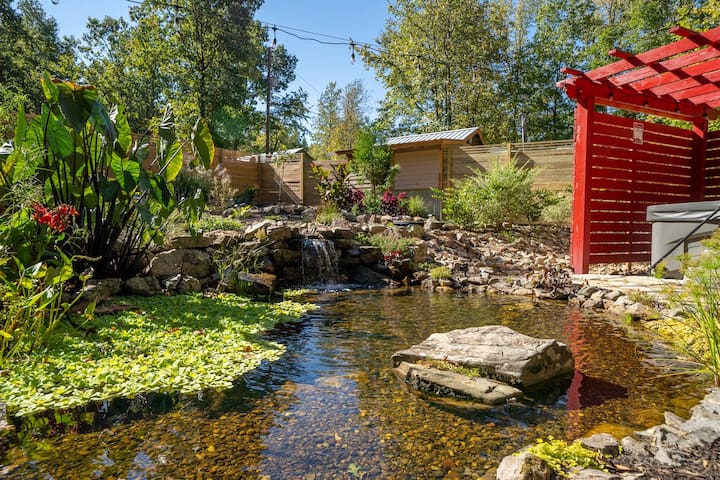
x,y
56,219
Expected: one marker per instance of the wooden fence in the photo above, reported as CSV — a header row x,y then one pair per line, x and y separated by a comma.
x,y
554,160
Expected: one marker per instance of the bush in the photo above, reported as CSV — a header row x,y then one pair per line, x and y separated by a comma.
x,y
416,207
327,214
389,244
440,272
699,302
190,180
562,457
393,205
502,194
558,209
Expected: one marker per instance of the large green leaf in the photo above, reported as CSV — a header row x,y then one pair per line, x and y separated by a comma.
x,y
127,172
20,126
202,142
59,139
173,163
49,88
76,102
101,121
108,189
155,185
124,135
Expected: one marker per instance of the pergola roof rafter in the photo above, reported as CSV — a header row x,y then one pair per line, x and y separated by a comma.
x,y
678,80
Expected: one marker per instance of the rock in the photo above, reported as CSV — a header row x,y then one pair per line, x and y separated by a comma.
x,y
145,286
593,474
284,256
99,290
278,233
257,230
498,352
447,383
524,466
196,263
415,231
375,228
603,443
419,252
370,255
342,233
224,238
253,283
190,241
182,284
432,223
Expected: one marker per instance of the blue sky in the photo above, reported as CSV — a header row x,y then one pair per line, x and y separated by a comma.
x,y
318,64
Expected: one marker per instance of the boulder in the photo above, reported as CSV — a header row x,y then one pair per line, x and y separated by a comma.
x,y
253,283
446,383
99,290
524,466
196,263
190,241
498,352
183,284
145,286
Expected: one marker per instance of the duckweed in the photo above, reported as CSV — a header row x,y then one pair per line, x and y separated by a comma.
x,y
161,344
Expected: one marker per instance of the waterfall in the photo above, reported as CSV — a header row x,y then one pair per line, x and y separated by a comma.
x,y
319,262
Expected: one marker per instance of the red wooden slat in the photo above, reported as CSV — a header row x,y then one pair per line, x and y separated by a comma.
x,y
619,232
607,248
603,152
604,118
651,198
654,55
706,98
680,70
602,166
619,258
649,136
642,183
617,217
622,148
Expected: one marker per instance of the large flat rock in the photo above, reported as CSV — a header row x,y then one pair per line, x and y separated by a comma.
x,y
444,383
498,352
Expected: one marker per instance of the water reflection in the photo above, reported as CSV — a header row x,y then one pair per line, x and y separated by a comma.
x,y
332,407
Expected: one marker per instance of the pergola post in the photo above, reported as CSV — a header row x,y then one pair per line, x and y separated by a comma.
x,y
699,156
580,230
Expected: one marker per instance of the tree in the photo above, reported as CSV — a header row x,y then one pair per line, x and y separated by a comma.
x,y
341,115
373,159
441,62
30,46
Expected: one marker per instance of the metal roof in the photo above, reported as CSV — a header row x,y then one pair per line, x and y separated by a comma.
x,y
460,135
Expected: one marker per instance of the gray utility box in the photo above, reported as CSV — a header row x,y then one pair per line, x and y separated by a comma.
x,y
672,222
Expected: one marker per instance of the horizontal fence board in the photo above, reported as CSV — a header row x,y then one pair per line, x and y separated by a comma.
x,y
606,248
596,258
600,152
621,133
604,118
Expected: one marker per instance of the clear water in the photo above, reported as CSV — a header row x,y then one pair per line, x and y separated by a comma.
x,y
332,408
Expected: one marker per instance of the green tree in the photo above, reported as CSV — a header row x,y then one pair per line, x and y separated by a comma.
x,y
341,115
441,63
30,46
373,159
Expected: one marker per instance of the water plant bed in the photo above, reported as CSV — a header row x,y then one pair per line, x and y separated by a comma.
x,y
185,343
331,405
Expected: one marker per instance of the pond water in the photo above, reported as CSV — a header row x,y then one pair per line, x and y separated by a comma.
x,y
332,407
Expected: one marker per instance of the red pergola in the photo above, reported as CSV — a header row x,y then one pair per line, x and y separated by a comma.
x,y
622,165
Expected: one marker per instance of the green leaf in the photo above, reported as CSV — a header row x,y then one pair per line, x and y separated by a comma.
x,y
202,142
76,102
101,121
5,335
127,172
20,126
174,162
108,189
49,88
124,135
166,130
59,139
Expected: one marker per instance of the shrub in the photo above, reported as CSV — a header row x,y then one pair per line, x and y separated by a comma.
x,y
327,214
415,206
223,192
393,205
214,222
558,209
502,194
563,457
699,302
333,186
191,180
440,272
388,244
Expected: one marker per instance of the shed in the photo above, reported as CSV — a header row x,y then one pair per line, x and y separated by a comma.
x,y
624,165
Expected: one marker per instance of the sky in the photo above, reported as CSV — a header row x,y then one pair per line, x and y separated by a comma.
x,y
318,64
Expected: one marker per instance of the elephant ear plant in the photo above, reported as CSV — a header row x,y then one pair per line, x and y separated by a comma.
x,y
84,156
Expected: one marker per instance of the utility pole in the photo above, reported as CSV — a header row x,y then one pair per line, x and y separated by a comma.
x,y
267,102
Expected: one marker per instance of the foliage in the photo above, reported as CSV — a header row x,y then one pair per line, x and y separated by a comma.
x,y
191,181
83,155
160,344
416,207
699,303
449,366
502,194
557,209
341,114
393,205
209,223
563,457
34,271
223,193
372,204
327,214
441,272
334,188
373,160
388,244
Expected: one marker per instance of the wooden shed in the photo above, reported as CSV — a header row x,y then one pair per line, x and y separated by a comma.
x,y
624,165
424,160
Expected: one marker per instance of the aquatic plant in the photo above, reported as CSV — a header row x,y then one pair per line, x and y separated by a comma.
x,y
161,344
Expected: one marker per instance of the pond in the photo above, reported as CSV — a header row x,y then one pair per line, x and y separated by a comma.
x,y
332,407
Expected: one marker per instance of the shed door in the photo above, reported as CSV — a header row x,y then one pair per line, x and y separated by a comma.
x,y
418,169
